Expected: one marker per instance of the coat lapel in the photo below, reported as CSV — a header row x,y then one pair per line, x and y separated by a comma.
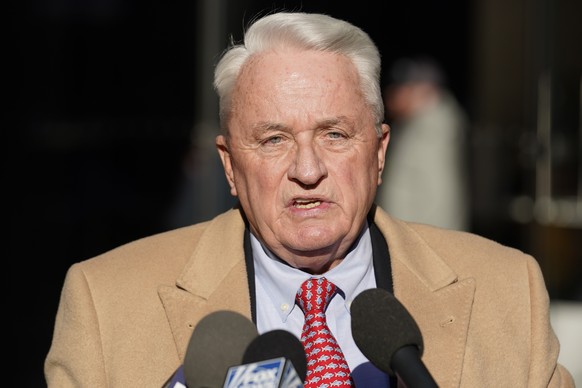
x,y
213,279
431,291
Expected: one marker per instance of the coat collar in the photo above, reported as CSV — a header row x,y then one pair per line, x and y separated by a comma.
x,y
429,288
213,279
410,250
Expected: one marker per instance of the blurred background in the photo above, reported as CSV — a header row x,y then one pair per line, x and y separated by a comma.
x,y
114,119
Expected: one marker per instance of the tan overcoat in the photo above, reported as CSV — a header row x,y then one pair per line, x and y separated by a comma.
x,y
125,317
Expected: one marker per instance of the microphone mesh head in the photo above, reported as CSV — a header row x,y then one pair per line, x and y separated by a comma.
x,y
381,325
275,344
217,343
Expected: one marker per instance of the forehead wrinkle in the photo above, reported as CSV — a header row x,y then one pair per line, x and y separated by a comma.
x,y
267,126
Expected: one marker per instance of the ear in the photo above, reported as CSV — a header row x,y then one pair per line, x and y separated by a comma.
x,y
224,153
382,147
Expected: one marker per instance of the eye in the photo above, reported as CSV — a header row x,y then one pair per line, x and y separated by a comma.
x,y
273,140
335,138
335,135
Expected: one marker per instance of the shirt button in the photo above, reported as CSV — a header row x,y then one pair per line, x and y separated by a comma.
x,y
284,307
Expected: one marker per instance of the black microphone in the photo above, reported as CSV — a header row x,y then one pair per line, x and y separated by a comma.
x,y
218,342
275,359
389,337
176,380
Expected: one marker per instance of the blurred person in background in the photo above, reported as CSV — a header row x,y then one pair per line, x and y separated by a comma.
x,y
426,177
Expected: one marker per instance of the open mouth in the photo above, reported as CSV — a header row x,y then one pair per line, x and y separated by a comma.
x,y
306,203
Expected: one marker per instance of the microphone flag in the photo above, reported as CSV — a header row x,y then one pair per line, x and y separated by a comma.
x,y
274,373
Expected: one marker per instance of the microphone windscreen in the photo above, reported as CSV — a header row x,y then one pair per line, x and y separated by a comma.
x,y
275,344
218,342
381,325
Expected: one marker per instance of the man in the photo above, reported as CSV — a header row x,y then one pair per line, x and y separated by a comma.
x,y
303,150
426,178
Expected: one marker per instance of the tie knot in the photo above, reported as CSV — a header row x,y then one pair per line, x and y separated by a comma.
x,y
315,294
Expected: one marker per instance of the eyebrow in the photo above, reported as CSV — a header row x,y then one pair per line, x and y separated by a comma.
x,y
335,121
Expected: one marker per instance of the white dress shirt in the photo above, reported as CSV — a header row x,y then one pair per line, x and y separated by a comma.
x,y
277,283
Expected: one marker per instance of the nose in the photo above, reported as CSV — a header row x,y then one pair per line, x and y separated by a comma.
x,y
307,168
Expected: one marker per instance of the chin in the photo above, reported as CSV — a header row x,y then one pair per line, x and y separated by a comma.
x,y
309,247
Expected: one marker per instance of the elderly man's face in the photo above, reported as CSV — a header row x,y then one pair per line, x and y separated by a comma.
x,y
303,155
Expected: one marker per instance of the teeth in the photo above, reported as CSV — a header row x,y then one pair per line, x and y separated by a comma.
x,y
307,204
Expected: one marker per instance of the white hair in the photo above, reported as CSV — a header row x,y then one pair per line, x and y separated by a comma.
x,y
305,31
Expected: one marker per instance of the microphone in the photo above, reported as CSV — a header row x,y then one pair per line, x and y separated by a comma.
x,y
275,359
389,337
218,342
177,380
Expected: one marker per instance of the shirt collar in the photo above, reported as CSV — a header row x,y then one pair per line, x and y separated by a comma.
x,y
282,281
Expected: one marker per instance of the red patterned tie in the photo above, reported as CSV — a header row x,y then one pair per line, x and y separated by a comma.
x,y
326,365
